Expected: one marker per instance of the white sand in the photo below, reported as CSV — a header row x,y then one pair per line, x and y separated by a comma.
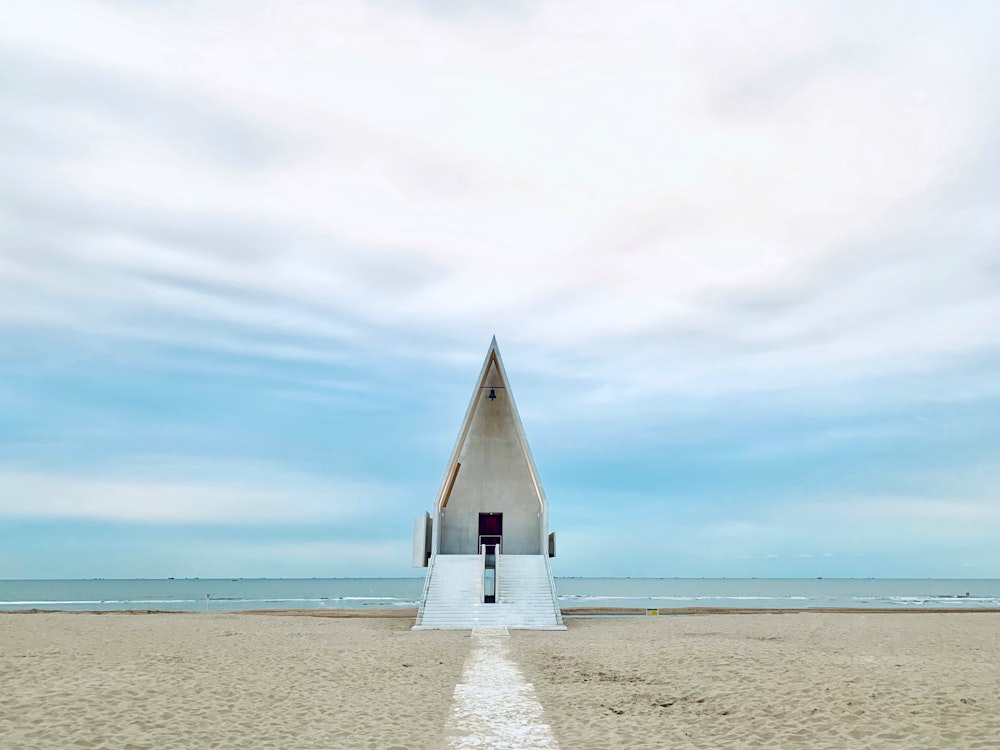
x,y
792,680
193,681
240,682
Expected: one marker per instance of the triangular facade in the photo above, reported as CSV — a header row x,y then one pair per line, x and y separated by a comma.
x,y
490,521
491,471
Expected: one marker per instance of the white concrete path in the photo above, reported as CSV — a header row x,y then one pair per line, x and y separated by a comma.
x,y
494,708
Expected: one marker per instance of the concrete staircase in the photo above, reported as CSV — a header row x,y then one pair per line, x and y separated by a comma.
x,y
525,584
452,598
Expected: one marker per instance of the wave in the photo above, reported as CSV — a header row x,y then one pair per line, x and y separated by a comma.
x,y
944,600
102,601
269,600
591,597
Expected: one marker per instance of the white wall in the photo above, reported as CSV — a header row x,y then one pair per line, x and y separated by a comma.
x,y
494,477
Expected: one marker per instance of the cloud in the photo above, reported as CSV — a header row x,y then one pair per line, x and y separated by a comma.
x,y
951,518
344,558
733,528
885,525
39,93
273,497
530,176
758,238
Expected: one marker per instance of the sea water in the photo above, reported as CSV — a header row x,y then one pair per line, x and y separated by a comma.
x,y
194,594
781,593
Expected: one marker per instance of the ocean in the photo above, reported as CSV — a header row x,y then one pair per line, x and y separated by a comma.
x,y
198,594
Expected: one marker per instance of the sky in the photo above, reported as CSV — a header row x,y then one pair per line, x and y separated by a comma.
x,y
742,261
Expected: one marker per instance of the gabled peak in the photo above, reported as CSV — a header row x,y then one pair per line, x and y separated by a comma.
x,y
494,349
490,456
493,362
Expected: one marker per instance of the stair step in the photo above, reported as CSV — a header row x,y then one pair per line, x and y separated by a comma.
x,y
525,592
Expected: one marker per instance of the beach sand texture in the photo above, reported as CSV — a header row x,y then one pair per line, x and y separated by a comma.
x,y
232,680
795,680
198,681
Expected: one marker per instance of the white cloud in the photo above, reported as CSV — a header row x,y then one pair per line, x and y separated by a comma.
x,y
874,524
820,533
966,518
265,558
744,193
246,496
660,207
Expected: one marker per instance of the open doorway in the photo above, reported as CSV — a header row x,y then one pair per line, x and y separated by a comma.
x,y
491,532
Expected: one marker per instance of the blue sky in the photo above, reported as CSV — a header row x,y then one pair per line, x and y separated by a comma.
x,y
742,260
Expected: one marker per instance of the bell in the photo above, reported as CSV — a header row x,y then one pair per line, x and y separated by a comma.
x,y
493,394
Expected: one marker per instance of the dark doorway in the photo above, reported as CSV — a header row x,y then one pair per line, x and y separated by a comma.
x,y
491,531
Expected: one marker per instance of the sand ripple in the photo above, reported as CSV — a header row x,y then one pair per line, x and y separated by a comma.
x,y
770,681
194,681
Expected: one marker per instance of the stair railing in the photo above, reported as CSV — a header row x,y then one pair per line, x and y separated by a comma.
x,y
426,590
482,568
552,589
496,573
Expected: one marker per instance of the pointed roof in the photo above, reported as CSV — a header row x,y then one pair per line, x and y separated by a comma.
x,y
492,358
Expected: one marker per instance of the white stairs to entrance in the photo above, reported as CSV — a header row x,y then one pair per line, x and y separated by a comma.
x,y
526,597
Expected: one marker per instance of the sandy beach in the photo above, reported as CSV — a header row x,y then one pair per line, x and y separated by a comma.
x,y
197,681
227,680
794,680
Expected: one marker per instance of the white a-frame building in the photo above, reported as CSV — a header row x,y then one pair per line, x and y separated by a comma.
x,y
487,546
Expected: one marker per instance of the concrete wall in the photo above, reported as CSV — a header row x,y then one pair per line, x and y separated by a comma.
x,y
494,476
421,540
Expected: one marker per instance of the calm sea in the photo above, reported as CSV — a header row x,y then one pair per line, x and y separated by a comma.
x,y
193,594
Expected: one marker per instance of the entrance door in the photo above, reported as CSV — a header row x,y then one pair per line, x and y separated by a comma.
x,y
491,531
